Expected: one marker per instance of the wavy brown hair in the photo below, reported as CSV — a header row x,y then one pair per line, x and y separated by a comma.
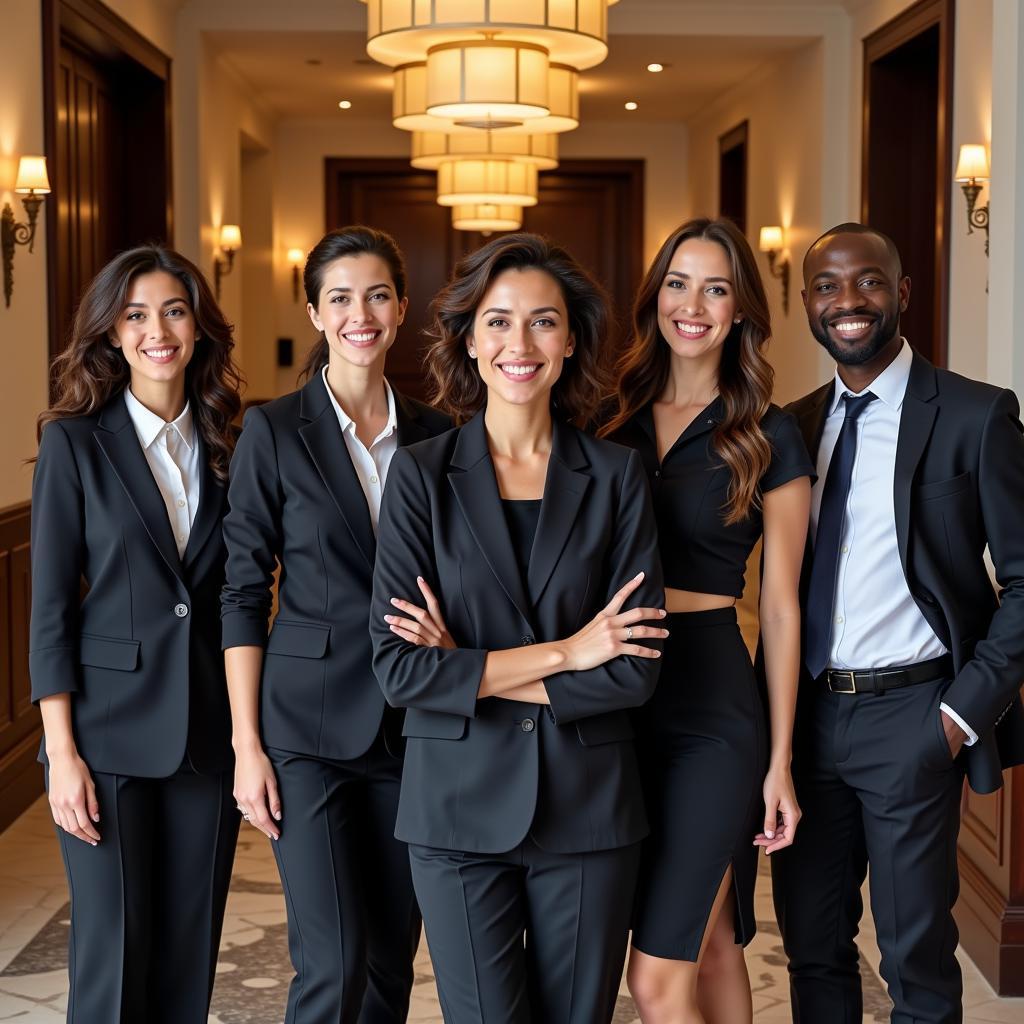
x,y
90,371
745,377
456,385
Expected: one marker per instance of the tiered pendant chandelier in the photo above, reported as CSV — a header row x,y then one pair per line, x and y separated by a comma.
x,y
431,149
487,217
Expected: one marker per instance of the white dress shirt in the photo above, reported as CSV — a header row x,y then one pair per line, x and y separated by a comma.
x,y
172,451
876,622
371,464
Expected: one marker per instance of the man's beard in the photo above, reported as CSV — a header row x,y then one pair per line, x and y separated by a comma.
x,y
864,350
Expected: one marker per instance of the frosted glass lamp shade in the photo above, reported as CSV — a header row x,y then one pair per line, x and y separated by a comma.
x,y
770,239
501,182
973,163
32,176
230,237
487,217
431,149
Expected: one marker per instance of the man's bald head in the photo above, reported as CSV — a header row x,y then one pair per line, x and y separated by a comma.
x,y
853,228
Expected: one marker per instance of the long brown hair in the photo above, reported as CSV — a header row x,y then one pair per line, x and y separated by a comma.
x,y
745,377
455,381
354,240
90,371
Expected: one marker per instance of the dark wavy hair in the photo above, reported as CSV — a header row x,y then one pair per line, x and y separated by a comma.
x,y
745,377
354,240
90,371
456,385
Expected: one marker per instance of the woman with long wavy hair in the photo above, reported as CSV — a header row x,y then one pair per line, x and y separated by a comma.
x,y
127,568
725,467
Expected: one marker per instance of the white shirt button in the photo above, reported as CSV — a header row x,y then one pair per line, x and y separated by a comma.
x,y
846,549
373,479
181,503
839,620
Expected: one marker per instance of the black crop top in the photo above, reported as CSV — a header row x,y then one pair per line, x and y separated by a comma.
x,y
698,551
521,517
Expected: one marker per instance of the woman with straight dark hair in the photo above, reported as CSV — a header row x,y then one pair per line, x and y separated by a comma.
x,y
726,467
521,794
318,756
128,497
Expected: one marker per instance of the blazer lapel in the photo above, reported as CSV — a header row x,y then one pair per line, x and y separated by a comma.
x,y
564,489
916,421
321,435
476,490
208,515
812,416
120,444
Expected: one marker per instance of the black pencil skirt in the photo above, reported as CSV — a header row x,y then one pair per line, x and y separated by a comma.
x,y
704,752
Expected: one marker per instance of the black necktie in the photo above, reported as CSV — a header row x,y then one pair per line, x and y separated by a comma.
x,y
825,562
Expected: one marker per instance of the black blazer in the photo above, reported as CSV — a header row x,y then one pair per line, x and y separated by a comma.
x,y
140,652
959,486
295,498
482,774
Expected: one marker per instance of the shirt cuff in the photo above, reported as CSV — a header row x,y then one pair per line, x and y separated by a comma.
x,y
972,736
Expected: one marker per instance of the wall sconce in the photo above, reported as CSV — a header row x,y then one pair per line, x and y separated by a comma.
x,y
32,184
972,168
771,243
230,243
296,257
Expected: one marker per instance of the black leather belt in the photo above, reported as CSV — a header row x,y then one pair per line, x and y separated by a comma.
x,y
878,680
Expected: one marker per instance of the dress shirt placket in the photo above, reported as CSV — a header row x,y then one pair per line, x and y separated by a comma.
x,y
172,443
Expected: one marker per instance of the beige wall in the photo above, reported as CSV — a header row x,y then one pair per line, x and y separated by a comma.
x,y
782,104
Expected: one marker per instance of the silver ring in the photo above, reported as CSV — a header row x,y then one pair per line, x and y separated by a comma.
x,y
629,632
245,817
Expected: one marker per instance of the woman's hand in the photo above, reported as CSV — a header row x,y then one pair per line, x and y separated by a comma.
x,y
781,811
256,790
612,632
72,797
422,626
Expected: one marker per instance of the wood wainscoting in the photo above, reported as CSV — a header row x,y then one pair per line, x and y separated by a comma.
x,y
21,778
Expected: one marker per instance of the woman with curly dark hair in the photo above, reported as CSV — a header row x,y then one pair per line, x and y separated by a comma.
x,y
516,570
726,467
127,502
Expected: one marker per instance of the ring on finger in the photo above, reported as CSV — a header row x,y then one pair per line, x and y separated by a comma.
x,y
245,817
629,632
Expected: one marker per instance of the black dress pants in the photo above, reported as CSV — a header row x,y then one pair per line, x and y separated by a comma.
x,y
353,923
147,902
526,937
877,786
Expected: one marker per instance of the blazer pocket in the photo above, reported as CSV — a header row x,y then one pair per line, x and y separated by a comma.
x,y
433,725
298,639
106,652
615,727
940,488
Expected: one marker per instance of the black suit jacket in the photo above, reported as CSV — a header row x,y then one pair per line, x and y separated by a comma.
x,y
959,486
482,774
140,652
295,498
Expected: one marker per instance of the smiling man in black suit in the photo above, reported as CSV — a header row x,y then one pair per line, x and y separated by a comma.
x,y
912,663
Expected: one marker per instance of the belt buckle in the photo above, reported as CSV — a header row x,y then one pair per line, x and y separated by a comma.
x,y
837,673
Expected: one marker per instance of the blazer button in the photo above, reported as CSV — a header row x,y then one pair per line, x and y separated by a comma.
x,y
525,641
181,610
528,725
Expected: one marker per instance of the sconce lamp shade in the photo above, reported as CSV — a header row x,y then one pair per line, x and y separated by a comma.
x,y
501,182
431,149
230,237
487,217
487,83
296,257
32,176
770,239
574,32
973,163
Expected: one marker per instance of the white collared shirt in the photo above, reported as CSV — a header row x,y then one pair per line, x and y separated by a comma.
x,y
371,464
876,622
172,451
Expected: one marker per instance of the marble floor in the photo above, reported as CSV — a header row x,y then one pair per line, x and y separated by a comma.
x,y
253,972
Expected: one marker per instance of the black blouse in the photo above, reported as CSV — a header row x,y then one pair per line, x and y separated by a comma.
x,y
522,518
690,488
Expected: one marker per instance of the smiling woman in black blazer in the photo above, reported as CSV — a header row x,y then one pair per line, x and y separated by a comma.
x,y
520,797
127,499
318,755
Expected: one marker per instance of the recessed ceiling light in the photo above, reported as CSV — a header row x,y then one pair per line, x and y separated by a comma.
x,y
345,104
632,105
655,68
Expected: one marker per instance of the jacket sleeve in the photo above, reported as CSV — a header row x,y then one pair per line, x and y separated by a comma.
x,y
252,534
626,681
58,541
992,677
429,678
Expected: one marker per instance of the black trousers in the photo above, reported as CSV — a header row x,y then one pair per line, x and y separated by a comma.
x,y
876,785
353,923
526,937
147,902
